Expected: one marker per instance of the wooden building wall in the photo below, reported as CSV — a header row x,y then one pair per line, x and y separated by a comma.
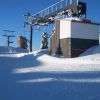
x,y
54,41
72,38
22,42
73,47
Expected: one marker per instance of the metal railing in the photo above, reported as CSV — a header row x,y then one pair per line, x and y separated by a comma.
x,y
55,7
58,9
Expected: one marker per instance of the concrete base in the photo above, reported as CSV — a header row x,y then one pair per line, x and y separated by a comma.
x,y
73,47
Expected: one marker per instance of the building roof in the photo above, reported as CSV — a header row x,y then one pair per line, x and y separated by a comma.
x,y
78,20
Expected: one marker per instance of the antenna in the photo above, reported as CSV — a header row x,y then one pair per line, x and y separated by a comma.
x,y
9,34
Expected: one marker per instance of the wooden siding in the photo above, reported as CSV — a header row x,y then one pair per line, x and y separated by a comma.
x,y
73,47
78,46
22,42
65,45
54,41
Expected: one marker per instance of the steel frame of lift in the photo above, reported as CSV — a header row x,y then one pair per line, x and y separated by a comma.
x,y
49,14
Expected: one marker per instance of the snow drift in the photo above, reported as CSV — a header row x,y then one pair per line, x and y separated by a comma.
x,y
39,76
11,50
91,51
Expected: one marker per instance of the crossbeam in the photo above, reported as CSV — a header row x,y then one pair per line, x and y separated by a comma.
x,y
48,14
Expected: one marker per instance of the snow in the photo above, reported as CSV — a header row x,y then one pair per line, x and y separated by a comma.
x,y
10,50
92,50
39,76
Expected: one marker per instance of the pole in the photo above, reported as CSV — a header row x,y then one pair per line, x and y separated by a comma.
x,y
77,2
29,22
31,39
9,36
71,1
66,2
8,41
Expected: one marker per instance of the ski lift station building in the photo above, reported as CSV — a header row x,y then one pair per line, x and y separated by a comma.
x,y
73,36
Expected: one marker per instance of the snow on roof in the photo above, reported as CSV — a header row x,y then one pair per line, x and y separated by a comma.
x,y
78,20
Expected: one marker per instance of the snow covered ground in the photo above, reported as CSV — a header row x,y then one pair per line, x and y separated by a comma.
x,y
10,50
38,76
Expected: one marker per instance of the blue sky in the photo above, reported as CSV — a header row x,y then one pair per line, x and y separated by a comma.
x,y
12,11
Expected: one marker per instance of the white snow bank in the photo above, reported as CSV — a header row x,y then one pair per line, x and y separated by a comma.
x,y
91,51
38,80
41,80
11,50
63,65
39,76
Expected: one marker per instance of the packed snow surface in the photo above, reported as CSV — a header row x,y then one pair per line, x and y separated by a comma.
x,y
39,76
10,50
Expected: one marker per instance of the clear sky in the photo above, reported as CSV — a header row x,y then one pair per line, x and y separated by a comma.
x,y
12,11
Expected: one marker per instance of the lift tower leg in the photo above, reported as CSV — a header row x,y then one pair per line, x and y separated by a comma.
x,y
31,39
